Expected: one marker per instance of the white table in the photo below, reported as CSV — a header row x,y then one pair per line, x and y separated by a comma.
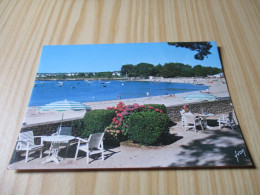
x,y
55,143
204,117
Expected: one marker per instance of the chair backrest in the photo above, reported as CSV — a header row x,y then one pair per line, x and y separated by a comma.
x,y
26,137
64,130
182,112
95,140
230,116
188,118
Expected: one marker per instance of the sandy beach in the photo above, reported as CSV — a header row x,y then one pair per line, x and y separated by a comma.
x,y
217,87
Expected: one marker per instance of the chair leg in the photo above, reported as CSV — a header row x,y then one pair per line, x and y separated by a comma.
x,y
76,155
102,154
26,155
87,157
67,147
41,153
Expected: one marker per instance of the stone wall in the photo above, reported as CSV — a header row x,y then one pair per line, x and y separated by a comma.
x,y
215,107
49,128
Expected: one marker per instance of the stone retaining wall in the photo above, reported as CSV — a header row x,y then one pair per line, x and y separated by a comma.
x,y
49,128
215,107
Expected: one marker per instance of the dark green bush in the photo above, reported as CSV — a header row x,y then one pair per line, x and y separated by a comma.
x,y
94,121
161,107
77,126
148,127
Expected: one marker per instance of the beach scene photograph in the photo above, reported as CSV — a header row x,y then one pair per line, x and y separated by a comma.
x,y
130,106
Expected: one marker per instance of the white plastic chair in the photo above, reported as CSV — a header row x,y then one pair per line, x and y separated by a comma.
x,y
227,120
26,143
190,121
93,145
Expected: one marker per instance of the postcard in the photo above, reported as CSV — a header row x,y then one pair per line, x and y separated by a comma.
x,y
130,106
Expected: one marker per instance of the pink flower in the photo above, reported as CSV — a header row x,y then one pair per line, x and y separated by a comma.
x,y
161,111
142,106
135,105
118,114
119,124
157,110
151,107
116,126
123,131
116,122
108,108
117,131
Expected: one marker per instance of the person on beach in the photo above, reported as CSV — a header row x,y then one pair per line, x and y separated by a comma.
x,y
147,94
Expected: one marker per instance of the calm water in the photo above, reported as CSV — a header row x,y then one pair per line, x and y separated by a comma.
x,y
82,91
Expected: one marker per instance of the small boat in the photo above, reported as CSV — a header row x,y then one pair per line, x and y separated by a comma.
x,y
42,83
104,86
73,87
60,84
123,84
102,83
108,82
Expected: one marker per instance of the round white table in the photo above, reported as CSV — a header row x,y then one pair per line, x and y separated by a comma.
x,y
55,143
204,117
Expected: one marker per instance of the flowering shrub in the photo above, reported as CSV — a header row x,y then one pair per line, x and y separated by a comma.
x,y
161,107
120,123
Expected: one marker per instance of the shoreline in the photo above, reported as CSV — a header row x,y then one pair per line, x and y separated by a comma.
x,y
217,87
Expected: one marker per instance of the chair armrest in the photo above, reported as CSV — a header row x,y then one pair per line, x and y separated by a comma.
x,y
39,136
22,141
81,139
25,141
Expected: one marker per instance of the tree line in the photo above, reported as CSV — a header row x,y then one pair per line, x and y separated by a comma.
x,y
168,70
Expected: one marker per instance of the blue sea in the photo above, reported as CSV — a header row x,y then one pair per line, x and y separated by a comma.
x,y
45,92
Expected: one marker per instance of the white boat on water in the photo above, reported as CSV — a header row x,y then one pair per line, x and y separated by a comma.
x,y
60,84
108,82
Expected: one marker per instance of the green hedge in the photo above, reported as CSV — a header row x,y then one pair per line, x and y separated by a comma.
x,y
148,127
94,121
161,107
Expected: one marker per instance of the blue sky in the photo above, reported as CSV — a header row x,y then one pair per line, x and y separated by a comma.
x,y
110,57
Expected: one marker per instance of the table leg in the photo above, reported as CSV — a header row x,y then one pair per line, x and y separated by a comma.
x,y
54,150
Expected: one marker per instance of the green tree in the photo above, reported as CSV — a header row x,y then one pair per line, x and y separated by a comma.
x,y
81,75
157,70
144,69
128,70
203,48
171,70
